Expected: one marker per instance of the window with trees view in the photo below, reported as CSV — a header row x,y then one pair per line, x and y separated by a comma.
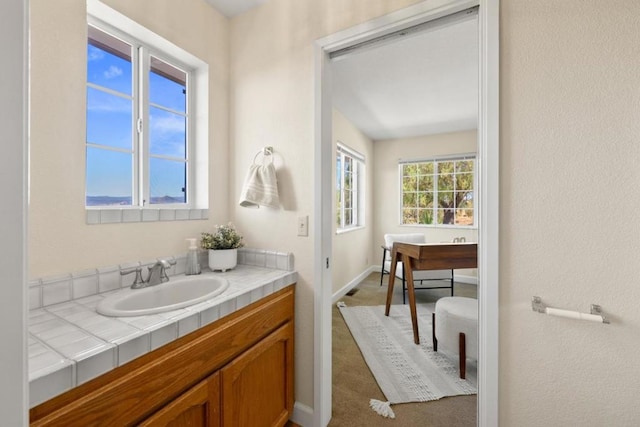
x,y
349,173
438,192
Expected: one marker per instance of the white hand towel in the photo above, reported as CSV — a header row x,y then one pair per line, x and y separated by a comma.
x,y
260,187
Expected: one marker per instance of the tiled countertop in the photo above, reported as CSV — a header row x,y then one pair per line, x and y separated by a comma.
x,y
70,343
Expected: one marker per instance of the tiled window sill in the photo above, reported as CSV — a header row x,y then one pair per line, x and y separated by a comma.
x,y
127,215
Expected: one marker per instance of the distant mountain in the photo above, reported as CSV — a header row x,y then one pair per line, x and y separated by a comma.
x,y
126,201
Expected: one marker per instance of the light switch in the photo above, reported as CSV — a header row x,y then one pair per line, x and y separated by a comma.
x,y
303,225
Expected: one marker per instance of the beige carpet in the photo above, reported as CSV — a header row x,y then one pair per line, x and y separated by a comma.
x,y
354,385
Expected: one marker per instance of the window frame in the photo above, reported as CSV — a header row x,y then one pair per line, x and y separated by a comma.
x,y
146,44
435,160
357,192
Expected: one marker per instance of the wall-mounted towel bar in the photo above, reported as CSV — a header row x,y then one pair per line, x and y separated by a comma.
x,y
594,316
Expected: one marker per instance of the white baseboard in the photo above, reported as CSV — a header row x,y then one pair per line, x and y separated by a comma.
x,y
302,415
355,282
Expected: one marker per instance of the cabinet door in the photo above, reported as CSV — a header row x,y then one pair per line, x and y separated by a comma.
x,y
257,386
198,406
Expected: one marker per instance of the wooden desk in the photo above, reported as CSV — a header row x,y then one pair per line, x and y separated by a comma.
x,y
427,256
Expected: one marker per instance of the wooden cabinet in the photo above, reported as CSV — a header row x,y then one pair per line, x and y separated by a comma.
x,y
254,391
198,407
236,372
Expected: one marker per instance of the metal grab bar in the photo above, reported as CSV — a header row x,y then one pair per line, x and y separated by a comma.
x,y
595,314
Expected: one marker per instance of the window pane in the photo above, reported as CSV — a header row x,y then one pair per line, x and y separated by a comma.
x,y
409,200
425,200
445,216
348,217
425,168
425,216
409,169
464,217
167,86
109,177
464,181
109,119
109,62
167,133
445,199
409,216
464,199
445,167
425,183
347,199
168,181
464,166
445,182
409,183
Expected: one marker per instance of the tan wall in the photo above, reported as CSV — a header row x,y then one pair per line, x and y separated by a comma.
x,y
59,239
272,93
569,151
352,253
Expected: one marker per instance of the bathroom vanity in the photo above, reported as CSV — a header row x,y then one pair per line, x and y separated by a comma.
x,y
237,370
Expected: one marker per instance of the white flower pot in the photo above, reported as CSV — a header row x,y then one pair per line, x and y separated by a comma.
x,y
223,259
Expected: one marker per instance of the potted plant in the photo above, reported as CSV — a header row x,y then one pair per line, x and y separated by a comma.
x,y
223,247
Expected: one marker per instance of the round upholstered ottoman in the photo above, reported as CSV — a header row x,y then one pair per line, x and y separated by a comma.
x,y
455,328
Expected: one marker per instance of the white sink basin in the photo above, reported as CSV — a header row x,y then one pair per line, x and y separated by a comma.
x,y
171,295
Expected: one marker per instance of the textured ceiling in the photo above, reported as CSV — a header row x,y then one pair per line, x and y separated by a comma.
x,y
421,84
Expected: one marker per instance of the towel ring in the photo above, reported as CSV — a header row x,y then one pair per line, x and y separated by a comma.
x,y
266,152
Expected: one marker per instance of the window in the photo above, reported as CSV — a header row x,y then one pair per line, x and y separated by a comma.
x,y
144,147
438,191
349,188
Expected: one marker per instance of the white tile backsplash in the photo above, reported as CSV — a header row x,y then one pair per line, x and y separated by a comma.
x,y
56,290
84,283
109,279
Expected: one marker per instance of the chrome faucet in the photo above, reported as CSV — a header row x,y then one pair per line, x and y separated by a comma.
x,y
157,274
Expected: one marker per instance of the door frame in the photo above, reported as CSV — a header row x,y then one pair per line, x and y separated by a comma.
x,y
488,200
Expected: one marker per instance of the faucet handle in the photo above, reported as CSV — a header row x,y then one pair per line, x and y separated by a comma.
x,y
138,279
165,264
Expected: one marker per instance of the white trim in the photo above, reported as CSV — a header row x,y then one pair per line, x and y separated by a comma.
x,y
489,187
488,213
14,128
353,283
302,414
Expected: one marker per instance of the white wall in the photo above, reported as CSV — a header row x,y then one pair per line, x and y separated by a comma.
x,y
386,182
272,101
570,102
59,239
13,138
352,253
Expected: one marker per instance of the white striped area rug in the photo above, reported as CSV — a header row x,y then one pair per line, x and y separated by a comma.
x,y
406,372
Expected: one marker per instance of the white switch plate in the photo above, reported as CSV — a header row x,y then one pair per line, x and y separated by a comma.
x,y
303,225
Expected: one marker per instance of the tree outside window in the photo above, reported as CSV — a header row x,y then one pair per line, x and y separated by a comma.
x,y
438,192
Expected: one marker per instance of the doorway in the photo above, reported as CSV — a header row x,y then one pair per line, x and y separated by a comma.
x,y
487,188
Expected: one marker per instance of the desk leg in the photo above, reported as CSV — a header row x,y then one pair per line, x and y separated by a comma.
x,y
408,268
392,277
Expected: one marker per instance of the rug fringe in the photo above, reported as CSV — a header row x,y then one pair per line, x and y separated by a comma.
x,y
382,408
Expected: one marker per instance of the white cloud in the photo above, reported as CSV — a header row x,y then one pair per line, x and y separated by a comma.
x,y
167,124
94,54
112,72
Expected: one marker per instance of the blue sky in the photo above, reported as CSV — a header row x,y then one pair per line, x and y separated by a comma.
x,y
109,123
